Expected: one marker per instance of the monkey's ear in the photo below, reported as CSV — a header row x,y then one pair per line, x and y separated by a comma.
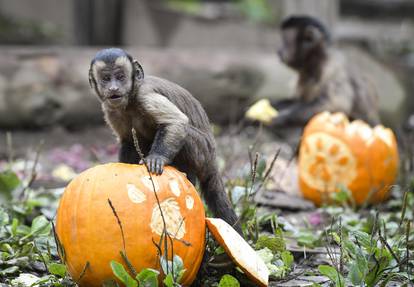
x,y
91,79
139,72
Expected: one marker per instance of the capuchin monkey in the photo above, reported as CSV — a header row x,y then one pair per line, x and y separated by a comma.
x,y
171,125
325,82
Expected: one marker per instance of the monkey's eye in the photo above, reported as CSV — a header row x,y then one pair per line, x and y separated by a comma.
x,y
106,78
120,77
308,38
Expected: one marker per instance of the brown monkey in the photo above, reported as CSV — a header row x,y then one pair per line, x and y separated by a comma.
x,y
325,82
171,125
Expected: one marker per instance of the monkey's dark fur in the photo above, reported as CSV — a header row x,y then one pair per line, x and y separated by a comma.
x,y
325,83
171,125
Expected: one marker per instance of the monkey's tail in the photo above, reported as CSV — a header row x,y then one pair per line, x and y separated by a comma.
x,y
212,187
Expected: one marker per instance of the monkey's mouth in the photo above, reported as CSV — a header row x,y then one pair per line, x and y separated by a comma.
x,y
115,97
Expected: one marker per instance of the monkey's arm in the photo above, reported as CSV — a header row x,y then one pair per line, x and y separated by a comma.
x,y
298,113
336,97
172,129
128,153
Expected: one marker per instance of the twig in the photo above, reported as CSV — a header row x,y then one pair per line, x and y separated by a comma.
x,y
123,253
33,174
341,248
165,232
268,171
407,249
254,172
385,243
129,264
186,243
86,267
404,207
327,247
40,254
119,224
60,248
9,143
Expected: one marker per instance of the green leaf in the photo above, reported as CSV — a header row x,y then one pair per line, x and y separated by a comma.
x,y
307,238
363,238
8,182
332,274
169,280
166,265
336,237
9,270
228,281
355,275
180,275
287,258
148,277
275,244
4,217
57,269
178,268
175,268
120,272
40,226
110,283
261,168
342,196
350,247
178,263
15,224
265,254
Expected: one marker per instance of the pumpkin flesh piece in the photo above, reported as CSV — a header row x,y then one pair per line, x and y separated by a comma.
x,y
239,250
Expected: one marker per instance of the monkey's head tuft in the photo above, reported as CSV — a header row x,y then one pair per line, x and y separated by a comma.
x,y
304,39
110,55
301,22
113,74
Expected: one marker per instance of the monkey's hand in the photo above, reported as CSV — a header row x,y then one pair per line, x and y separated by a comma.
x,y
155,163
281,119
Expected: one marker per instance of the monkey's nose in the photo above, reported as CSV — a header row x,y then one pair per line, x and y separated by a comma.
x,y
113,88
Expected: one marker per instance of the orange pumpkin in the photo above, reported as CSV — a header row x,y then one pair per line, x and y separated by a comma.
x,y
88,230
337,152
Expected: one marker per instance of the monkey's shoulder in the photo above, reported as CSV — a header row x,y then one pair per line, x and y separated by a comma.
x,y
162,86
177,95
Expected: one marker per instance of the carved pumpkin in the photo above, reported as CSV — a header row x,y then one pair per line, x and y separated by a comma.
x,y
337,152
89,233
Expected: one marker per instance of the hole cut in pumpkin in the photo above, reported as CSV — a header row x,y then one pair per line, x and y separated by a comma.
x,y
335,152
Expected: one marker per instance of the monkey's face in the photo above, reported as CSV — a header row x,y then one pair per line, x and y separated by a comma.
x,y
299,45
113,81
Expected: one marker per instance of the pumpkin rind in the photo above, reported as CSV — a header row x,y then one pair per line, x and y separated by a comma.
x,y
336,152
88,230
239,250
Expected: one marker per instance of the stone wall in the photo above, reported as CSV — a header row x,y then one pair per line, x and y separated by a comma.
x,y
150,23
48,86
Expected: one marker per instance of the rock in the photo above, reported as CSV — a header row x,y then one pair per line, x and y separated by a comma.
x,y
79,108
282,200
31,100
